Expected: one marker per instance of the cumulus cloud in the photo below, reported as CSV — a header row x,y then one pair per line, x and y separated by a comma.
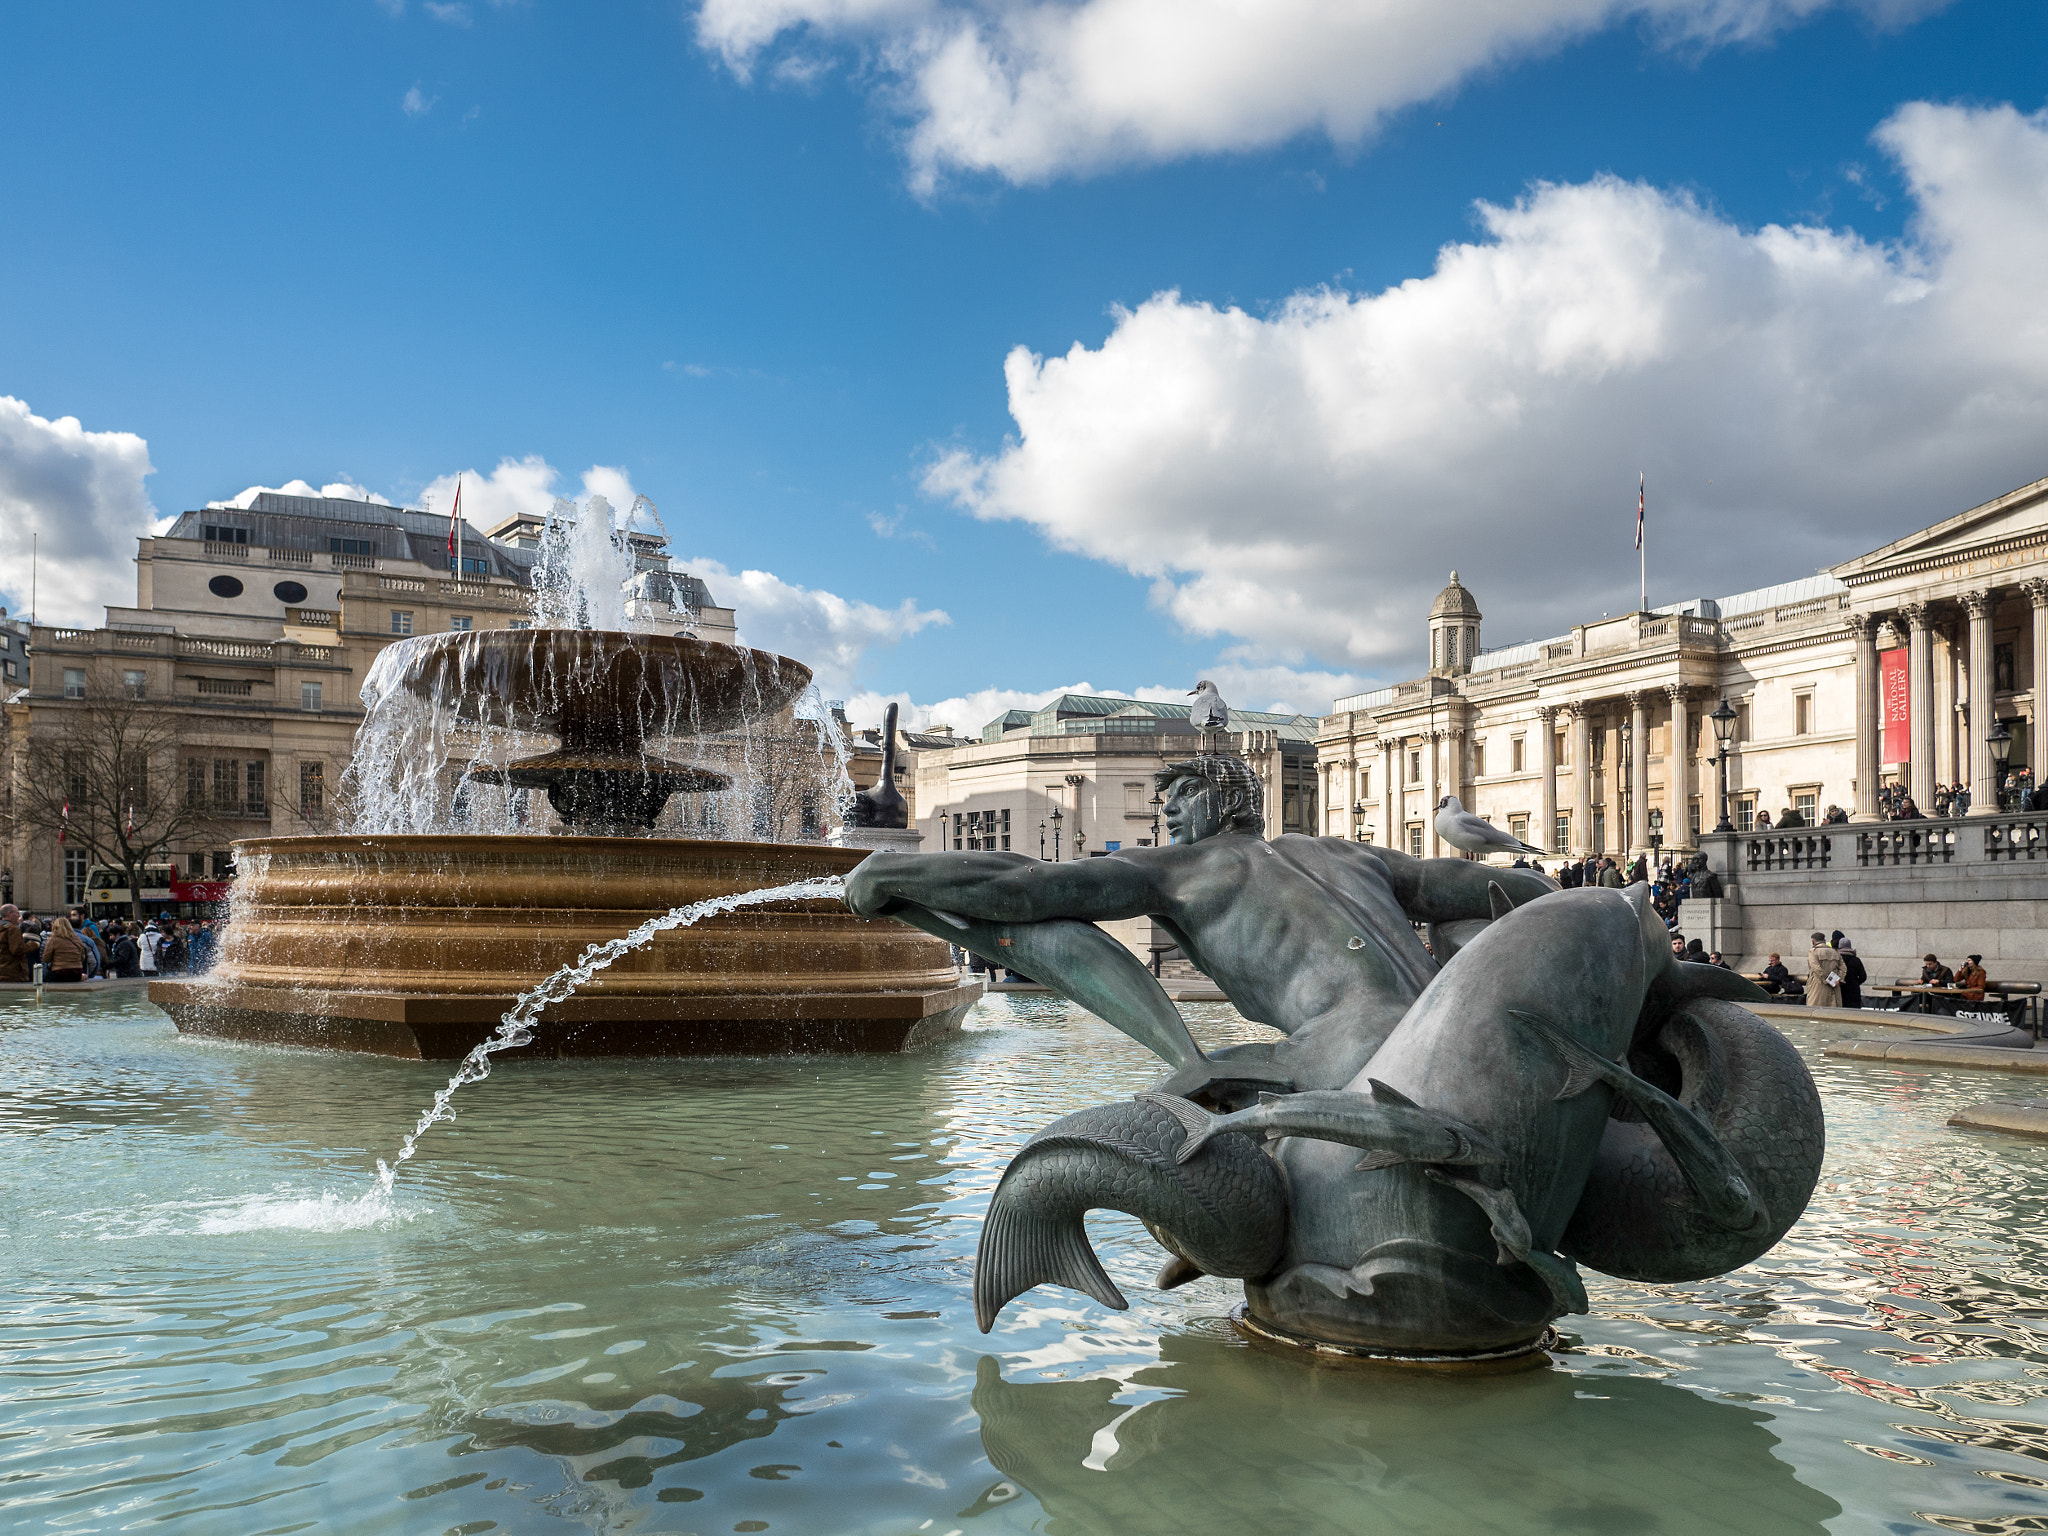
x,y
1305,480
965,713
1030,89
71,508
830,634
341,490
416,103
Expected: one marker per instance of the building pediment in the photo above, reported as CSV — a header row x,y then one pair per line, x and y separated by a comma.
x,y
1988,537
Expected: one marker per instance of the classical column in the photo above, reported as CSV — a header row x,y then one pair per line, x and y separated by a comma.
x,y
1546,777
1638,774
1582,779
2037,749
1869,716
1678,773
1432,744
1920,702
1983,773
1390,792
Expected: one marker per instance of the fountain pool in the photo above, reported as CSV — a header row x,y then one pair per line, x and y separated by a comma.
x,y
729,1294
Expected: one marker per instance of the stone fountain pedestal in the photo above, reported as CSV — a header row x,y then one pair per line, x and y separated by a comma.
x,y
415,946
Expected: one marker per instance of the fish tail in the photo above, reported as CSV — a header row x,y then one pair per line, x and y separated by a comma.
x,y
1197,1121
1584,1066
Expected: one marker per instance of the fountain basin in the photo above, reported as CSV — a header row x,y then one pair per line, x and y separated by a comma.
x,y
416,945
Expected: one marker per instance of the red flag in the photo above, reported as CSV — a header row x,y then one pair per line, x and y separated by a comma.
x,y
67,822
455,516
131,819
1639,511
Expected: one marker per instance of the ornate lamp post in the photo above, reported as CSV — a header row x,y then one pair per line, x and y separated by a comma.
x,y
1999,739
1157,801
1724,728
1056,820
1041,842
1656,832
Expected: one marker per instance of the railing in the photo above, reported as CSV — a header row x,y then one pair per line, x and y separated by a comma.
x,y
464,588
135,642
1744,621
397,583
1690,628
226,686
1790,851
290,557
235,650
1654,628
317,652
318,618
2017,839
67,634
1557,652
1907,842
216,551
342,562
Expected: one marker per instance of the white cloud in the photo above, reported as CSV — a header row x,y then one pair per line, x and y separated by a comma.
x,y
455,15
1306,479
341,490
831,635
416,103
1030,89
966,713
71,508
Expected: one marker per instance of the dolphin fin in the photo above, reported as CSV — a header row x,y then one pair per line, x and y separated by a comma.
x,y
1195,1120
1562,1276
951,917
1394,1096
1503,1212
1270,1098
1583,1065
1020,1249
1689,980
1498,900
1379,1157
1177,1271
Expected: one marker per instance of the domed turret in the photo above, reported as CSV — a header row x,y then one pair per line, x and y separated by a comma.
x,y
1453,629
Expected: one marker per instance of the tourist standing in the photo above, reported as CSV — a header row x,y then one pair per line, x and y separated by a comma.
x,y
1823,974
15,957
1853,972
127,956
147,947
63,953
1610,877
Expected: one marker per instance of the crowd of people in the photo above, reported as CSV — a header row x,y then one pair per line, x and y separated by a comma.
x,y
75,947
2017,792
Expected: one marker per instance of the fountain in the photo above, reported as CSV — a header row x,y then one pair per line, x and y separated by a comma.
x,y
415,934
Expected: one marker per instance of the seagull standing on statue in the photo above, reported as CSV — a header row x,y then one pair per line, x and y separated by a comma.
x,y
1208,714
1461,829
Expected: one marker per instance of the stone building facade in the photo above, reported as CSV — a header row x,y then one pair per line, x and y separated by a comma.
x,y
1596,740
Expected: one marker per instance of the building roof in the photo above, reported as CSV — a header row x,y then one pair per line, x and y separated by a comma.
x,y
1076,714
1455,602
277,521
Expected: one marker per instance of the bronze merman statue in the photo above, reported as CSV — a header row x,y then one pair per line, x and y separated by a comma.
x,y
1553,1086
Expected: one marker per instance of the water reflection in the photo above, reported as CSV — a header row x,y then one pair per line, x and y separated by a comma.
x,y
1257,1441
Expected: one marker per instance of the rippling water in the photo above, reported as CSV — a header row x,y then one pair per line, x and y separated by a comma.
x,y
734,1296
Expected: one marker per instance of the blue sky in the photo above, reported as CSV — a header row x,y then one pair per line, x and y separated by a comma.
x,y
767,259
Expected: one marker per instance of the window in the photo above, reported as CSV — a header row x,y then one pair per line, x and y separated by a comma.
x,y
461,623
351,547
401,621
1692,818
1741,731
1802,714
74,682
1414,767
227,784
135,684
223,866
312,788
1516,761
1518,828
1478,759
217,533
1599,831
1561,836
1365,783
520,624
1415,838
309,697
195,782
75,866
1745,813
1804,802
471,566
255,790
1560,747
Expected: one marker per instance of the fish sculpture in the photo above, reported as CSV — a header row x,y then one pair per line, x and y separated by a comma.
x,y
1565,1092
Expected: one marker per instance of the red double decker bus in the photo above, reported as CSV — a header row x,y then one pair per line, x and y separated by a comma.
x,y
166,891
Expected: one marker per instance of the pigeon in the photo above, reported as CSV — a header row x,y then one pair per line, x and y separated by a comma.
x,y
1208,712
1461,829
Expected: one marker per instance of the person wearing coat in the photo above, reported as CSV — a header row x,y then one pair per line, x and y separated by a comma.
x,y
63,953
127,954
1853,972
1823,975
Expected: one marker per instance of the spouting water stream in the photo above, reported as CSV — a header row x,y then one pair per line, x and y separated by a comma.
x,y
517,1026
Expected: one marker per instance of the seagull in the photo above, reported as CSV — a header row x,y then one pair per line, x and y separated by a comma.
x,y
1461,829
1208,712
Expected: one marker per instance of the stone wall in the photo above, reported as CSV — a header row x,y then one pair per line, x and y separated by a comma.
x,y
1897,889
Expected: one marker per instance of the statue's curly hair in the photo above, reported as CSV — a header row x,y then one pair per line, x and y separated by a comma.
x,y
1239,791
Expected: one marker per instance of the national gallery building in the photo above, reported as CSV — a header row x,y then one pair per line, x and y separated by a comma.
x,y
1881,677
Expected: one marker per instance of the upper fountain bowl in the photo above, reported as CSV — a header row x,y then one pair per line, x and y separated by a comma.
x,y
585,683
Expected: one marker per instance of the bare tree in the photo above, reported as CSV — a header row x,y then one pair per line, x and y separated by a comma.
x,y
103,774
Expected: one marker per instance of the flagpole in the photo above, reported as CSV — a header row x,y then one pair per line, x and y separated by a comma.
x,y
1642,554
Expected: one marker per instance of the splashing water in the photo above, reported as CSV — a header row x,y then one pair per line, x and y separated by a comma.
x,y
517,1026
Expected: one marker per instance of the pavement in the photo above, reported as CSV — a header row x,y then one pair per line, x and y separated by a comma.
x,y
107,984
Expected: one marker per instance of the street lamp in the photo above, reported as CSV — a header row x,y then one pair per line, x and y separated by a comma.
x,y
1056,820
1724,729
1157,801
2000,742
1041,842
1656,832
1625,794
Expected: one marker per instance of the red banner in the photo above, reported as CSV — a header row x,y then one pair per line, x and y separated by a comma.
x,y
1895,705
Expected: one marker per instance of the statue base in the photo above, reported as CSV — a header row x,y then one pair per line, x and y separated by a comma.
x,y
1534,1355
877,839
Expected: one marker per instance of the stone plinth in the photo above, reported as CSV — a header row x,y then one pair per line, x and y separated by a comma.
x,y
416,946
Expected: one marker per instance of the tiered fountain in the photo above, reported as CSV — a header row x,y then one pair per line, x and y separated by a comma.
x,y
415,934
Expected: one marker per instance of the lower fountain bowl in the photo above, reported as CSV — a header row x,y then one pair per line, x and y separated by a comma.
x,y
415,946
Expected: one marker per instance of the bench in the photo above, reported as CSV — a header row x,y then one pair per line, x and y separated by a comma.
x,y
2018,1003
